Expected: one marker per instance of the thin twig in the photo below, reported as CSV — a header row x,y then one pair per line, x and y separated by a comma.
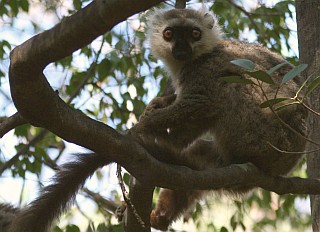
x,y
127,199
249,15
307,107
88,75
107,204
283,122
292,152
81,211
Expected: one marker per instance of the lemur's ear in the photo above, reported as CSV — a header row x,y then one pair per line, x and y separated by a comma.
x,y
210,20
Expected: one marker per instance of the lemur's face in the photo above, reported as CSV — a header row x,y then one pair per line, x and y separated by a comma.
x,y
182,40
182,34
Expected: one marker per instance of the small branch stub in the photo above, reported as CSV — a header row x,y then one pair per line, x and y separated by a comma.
x,y
181,4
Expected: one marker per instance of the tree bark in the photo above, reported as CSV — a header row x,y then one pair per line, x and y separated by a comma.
x,y
141,197
308,19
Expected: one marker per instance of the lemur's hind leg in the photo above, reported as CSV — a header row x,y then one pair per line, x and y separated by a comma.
x,y
171,205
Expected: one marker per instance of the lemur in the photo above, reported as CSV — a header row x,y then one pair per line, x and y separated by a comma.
x,y
190,44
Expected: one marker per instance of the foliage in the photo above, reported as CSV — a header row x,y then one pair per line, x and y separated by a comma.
x,y
112,79
261,76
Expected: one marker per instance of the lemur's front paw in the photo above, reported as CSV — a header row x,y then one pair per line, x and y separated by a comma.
x,y
158,103
159,221
161,102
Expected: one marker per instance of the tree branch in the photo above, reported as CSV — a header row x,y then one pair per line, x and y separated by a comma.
x,y
7,124
141,197
108,205
34,97
227,178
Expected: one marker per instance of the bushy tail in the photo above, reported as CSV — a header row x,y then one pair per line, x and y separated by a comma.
x,y
7,215
54,199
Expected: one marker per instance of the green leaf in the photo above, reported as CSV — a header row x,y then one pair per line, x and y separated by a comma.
x,y
113,228
14,7
104,69
57,229
244,63
77,4
286,105
293,73
22,131
108,37
272,102
120,45
5,43
314,84
126,178
102,228
72,228
24,5
223,229
275,68
236,79
233,222
262,76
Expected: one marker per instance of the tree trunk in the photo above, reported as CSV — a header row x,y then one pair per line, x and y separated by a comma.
x,y
141,198
308,19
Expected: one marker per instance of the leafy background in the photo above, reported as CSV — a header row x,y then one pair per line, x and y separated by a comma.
x,y
112,80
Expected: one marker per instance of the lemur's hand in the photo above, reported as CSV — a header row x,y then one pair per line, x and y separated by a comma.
x,y
158,103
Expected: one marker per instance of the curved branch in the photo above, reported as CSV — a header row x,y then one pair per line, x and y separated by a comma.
x,y
34,97
7,124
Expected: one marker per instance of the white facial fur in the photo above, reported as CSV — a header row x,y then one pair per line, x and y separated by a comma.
x,y
161,49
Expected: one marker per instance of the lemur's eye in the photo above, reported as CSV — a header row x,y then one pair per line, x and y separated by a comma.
x,y
167,34
196,34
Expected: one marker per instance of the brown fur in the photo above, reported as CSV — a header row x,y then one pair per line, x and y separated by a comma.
x,y
7,215
240,130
